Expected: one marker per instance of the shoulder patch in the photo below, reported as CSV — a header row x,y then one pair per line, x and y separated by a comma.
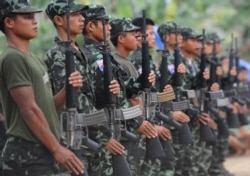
x,y
100,64
171,68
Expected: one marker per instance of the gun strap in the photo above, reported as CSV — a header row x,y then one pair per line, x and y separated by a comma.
x,y
189,94
215,95
165,96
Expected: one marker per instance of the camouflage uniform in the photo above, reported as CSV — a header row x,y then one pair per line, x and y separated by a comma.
x,y
137,151
180,149
221,148
195,164
55,61
129,86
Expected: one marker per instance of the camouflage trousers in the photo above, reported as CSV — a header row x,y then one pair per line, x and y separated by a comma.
x,y
179,153
197,158
24,158
219,154
136,156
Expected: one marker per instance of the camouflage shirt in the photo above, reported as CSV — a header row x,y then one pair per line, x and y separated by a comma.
x,y
55,61
128,85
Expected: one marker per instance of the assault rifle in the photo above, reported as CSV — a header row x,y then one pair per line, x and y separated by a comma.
x,y
119,162
206,134
178,104
219,100
74,132
153,146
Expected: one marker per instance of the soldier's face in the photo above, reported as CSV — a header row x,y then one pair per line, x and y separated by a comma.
x,y
171,39
208,49
76,23
23,26
192,46
99,30
150,36
130,41
218,47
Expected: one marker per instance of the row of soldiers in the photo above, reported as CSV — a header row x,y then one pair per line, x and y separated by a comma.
x,y
30,113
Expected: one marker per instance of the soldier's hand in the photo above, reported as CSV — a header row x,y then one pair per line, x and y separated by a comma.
x,y
219,71
76,79
233,71
168,88
206,74
181,69
114,147
147,129
215,87
114,87
204,118
68,159
163,132
212,123
180,116
152,77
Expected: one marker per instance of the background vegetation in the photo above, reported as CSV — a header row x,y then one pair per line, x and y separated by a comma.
x,y
224,17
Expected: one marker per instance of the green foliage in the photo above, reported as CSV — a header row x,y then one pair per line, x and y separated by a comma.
x,y
223,17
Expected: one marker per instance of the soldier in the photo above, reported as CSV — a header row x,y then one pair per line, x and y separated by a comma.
x,y
55,60
32,144
220,150
191,50
95,20
169,32
124,38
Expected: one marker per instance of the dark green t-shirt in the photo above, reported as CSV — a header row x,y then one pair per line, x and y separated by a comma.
x,y
20,69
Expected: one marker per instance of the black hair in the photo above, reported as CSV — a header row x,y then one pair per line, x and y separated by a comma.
x,y
243,68
86,22
139,22
10,15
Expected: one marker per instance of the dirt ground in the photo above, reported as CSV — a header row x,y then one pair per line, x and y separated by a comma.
x,y
239,165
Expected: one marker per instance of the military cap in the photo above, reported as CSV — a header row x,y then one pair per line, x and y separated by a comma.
x,y
167,28
122,25
190,33
211,37
16,6
95,12
59,7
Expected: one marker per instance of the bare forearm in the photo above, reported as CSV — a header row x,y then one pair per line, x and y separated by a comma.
x,y
60,99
